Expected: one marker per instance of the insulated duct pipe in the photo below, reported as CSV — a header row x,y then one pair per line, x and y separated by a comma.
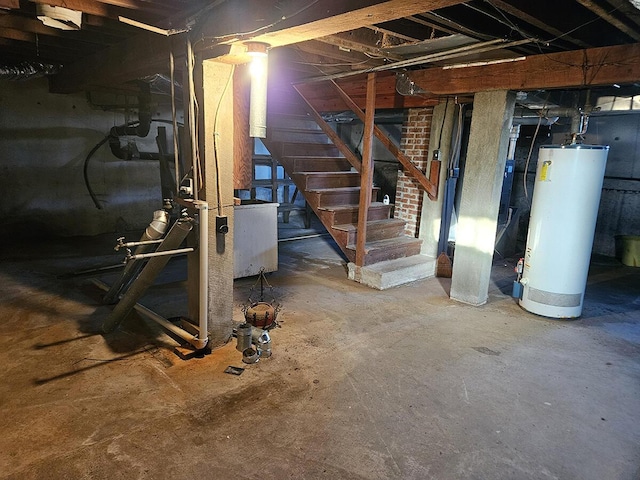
x,y
152,269
154,231
258,100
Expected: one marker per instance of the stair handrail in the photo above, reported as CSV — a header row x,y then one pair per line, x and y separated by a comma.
x,y
429,184
351,157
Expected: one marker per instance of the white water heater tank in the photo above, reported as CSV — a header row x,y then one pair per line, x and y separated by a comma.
x,y
564,210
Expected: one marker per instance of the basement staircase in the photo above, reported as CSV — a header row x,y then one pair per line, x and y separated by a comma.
x,y
330,183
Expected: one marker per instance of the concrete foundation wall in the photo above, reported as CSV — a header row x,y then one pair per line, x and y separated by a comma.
x,y
44,139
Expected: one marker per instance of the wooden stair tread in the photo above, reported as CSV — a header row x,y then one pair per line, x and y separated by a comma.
x,y
350,227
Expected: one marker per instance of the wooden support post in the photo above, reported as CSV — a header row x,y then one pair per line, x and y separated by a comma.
x,y
366,176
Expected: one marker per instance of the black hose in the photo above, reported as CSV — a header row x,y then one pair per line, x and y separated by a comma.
x,y
98,145
86,175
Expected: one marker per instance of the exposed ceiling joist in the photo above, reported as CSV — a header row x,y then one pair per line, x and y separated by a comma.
x,y
602,13
554,32
361,40
574,69
335,53
335,16
229,22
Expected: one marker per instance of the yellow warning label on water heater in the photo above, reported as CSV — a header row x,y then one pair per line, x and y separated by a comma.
x,y
545,170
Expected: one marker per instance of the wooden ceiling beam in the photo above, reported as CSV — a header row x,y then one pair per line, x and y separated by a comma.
x,y
574,69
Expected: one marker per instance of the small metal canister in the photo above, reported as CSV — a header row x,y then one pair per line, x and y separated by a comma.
x,y
244,337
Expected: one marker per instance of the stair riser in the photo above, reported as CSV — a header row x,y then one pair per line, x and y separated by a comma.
x,y
331,198
318,165
376,233
375,213
330,181
392,253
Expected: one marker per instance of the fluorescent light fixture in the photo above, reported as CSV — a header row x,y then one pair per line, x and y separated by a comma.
x,y
59,17
482,64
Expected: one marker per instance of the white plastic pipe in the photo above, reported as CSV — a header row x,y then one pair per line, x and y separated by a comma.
x,y
164,253
203,255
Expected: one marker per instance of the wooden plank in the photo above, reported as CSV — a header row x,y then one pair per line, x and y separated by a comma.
x,y
578,68
429,184
366,175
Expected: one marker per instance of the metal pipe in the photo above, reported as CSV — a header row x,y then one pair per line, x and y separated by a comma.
x,y
153,232
432,57
203,255
135,244
165,253
193,340
152,269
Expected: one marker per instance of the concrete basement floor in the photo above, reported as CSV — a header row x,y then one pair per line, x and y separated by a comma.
x,y
362,384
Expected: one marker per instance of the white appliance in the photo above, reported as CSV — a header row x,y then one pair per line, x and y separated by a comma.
x,y
565,204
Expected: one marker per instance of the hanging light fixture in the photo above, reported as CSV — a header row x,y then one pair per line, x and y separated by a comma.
x,y
258,102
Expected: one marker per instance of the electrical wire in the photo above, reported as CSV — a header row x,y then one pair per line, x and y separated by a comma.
x,y
526,165
444,117
215,143
174,122
239,35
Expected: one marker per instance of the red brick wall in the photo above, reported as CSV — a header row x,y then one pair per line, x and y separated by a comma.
x,y
415,144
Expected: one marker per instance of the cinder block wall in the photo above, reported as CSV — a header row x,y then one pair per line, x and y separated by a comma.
x,y
414,143
44,140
